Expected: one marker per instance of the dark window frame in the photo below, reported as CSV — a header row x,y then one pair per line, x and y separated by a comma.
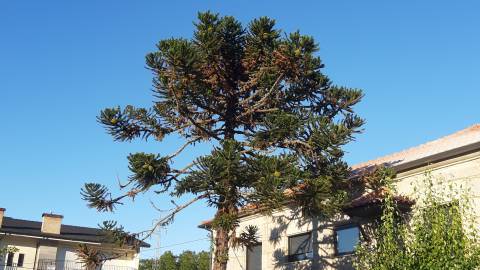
x,y
261,255
298,256
21,260
345,227
10,256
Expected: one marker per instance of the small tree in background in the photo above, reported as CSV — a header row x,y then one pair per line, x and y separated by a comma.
x,y
274,121
167,261
187,260
203,260
147,264
441,234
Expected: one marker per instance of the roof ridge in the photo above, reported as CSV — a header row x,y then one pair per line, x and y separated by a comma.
x,y
21,219
460,133
68,232
39,222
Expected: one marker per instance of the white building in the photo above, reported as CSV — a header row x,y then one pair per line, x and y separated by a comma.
x,y
285,243
50,245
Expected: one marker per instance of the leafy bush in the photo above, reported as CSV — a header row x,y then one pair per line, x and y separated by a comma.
x,y
439,234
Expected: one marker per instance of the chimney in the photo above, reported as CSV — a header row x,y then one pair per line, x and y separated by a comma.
x,y
51,223
2,213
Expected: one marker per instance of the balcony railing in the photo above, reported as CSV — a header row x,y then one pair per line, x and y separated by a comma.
x,y
10,267
14,266
73,265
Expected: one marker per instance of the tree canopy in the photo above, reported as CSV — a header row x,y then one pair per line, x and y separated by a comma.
x,y
187,260
167,261
259,97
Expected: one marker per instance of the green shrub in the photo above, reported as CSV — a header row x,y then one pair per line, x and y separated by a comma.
x,y
440,233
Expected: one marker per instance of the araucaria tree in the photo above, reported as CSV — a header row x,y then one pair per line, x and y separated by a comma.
x,y
259,97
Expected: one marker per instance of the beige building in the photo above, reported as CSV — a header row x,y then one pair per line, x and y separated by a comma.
x,y
50,245
285,241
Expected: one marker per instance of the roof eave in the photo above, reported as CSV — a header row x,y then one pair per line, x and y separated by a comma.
x,y
449,154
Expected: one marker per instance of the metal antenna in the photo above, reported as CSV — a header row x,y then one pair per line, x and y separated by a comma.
x,y
157,235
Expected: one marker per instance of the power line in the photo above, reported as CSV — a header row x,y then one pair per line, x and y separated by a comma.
x,y
176,244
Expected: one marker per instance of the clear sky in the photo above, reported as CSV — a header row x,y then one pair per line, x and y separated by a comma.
x,y
61,62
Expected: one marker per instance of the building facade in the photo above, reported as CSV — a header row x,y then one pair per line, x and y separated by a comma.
x,y
50,245
286,239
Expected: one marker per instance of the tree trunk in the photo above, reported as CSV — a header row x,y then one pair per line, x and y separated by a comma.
x,y
315,243
222,236
222,239
221,250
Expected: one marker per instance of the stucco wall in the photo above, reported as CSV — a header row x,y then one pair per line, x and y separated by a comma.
x,y
61,252
461,171
129,258
27,246
274,231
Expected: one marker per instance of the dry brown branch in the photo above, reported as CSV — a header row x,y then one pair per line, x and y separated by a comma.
x,y
164,220
195,139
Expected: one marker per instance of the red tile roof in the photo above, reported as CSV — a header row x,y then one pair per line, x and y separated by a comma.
x,y
377,197
462,138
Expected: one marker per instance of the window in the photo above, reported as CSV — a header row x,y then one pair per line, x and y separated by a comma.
x,y
346,239
254,257
448,211
300,247
21,258
10,259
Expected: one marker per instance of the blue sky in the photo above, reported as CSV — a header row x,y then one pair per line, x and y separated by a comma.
x,y
61,62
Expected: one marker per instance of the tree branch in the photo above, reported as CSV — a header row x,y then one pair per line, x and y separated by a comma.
x,y
164,220
275,84
262,101
196,139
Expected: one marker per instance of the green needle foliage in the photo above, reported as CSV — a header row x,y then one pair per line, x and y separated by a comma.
x,y
259,96
440,234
